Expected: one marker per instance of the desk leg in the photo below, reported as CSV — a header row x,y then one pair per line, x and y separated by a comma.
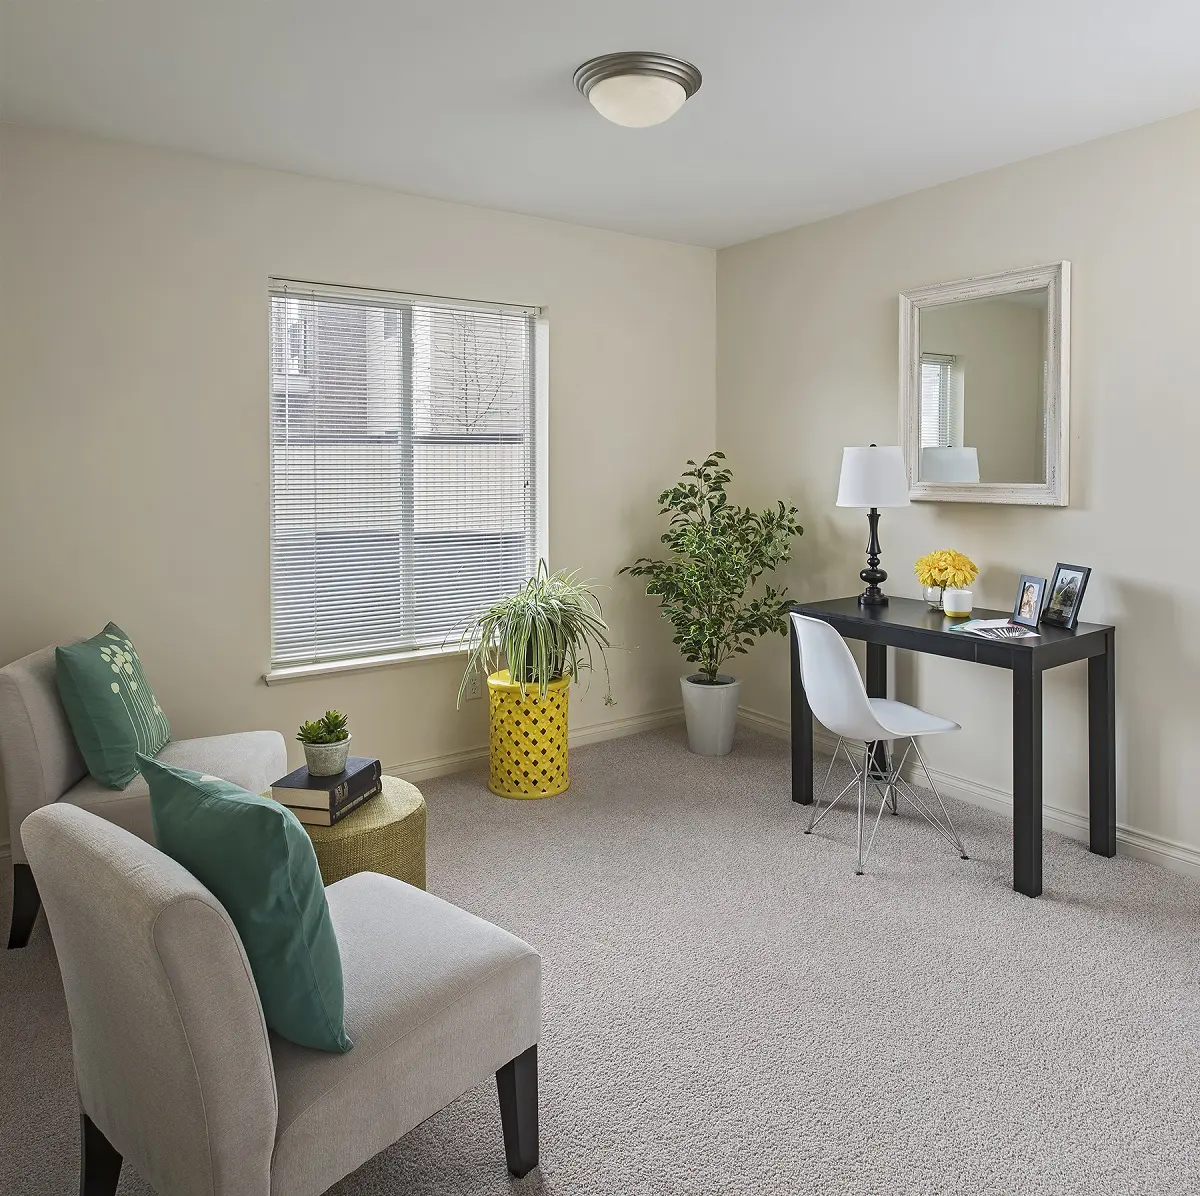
x,y
802,730
1102,748
877,687
1027,776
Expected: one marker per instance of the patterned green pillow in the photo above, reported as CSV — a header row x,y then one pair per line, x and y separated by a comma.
x,y
110,706
255,857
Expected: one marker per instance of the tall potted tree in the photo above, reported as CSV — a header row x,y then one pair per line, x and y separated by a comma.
x,y
717,552
544,636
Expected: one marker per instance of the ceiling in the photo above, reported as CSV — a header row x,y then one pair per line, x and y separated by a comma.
x,y
808,108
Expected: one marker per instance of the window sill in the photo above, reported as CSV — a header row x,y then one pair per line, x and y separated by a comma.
x,y
358,664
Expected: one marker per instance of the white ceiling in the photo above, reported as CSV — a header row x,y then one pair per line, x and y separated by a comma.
x,y
808,108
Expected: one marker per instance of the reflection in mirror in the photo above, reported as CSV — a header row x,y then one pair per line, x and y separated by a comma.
x,y
983,389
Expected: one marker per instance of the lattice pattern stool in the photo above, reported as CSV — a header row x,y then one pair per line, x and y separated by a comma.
x,y
385,834
528,751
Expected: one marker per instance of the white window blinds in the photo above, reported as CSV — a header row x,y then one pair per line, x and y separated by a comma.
x,y
937,406
404,488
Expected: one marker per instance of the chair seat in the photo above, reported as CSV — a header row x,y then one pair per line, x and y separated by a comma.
x,y
905,721
252,759
437,1000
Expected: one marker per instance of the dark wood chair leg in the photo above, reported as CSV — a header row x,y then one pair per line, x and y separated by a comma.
x,y
25,906
99,1163
517,1084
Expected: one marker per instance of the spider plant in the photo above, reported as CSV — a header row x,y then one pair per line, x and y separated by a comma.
x,y
550,628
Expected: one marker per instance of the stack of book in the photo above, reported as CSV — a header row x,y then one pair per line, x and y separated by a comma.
x,y
322,801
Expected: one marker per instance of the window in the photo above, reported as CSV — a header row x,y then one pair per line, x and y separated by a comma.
x,y
404,468
937,402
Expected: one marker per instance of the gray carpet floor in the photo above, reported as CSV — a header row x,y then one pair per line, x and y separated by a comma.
x,y
729,1009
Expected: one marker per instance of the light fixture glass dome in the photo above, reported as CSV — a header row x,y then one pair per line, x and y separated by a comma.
x,y
637,101
637,88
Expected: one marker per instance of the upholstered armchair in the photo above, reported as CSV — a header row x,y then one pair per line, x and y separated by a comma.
x,y
42,765
176,1070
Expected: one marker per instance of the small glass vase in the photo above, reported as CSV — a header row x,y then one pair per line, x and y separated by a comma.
x,y
933,596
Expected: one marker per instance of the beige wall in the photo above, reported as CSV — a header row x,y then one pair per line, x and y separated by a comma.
x,y
998,348
133,415
807,363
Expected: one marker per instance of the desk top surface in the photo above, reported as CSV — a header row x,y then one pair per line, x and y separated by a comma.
x,y
915,615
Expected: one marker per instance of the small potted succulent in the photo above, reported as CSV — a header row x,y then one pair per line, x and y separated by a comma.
x,y
326,744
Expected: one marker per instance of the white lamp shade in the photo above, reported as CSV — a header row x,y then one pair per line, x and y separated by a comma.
x,y
949,465
873,477
637,101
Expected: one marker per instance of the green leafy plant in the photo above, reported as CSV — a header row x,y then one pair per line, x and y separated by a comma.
x,y
331,727
718,551
550,628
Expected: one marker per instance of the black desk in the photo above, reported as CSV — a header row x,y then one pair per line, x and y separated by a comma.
x,y
908,623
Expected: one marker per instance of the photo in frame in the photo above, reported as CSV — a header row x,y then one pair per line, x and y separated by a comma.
x,y
1028,608
1066,595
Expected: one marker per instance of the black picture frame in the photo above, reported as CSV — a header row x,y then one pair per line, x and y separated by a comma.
x,y
1060,613
1027,609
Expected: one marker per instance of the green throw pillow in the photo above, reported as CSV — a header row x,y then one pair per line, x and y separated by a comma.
x,y
253,854
110,705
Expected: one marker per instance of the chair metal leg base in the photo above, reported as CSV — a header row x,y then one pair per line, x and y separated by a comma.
x,y
890,786
99,1163
517,1085
25,905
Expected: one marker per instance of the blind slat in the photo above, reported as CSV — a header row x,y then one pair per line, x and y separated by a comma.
x,y
937,405
403,478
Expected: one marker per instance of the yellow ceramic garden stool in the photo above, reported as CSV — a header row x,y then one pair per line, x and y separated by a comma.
x,y
385,834
527,756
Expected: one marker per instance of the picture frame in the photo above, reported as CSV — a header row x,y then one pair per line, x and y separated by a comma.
x,y
1027,610
1066,595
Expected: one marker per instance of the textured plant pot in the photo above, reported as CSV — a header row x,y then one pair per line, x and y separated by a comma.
x,y
327,759
527,755
711,713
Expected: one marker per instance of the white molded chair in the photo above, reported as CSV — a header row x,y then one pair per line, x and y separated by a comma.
x,y
839,702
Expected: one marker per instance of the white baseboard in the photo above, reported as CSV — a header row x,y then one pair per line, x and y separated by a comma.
x,y
1139,845
440,766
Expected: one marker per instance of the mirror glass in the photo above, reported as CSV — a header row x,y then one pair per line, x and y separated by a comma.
x,y
982,389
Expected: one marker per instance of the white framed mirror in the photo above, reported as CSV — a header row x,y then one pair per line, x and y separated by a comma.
x,y
985,388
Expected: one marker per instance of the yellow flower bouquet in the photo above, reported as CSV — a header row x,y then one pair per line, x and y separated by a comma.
x,y
945,568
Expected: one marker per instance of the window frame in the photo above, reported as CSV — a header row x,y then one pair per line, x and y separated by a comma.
x,y
403,302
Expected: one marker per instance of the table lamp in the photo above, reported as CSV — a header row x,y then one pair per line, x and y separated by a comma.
x,y
873,477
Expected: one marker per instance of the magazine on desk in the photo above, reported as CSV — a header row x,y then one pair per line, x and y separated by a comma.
x,y
996,629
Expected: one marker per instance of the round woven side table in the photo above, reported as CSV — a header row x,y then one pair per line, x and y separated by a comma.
x,y
385,834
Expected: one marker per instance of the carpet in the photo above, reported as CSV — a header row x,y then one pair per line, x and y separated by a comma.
x,y
729,1009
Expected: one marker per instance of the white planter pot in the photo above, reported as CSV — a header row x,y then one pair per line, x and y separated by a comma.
x,y
327,759
711,713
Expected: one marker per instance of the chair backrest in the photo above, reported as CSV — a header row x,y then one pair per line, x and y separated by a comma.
x,y
832,682
37,748
172,1059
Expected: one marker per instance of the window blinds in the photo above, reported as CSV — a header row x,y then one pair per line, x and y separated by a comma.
x,y
403,468
937,407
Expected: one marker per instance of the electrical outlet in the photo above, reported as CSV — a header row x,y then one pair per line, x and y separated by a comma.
x,y
474,687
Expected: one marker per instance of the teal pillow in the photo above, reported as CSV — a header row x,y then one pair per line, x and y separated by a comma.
x,y
110,705
253,854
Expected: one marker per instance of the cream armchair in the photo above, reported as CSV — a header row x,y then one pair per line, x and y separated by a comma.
x,y
41,765
176,1070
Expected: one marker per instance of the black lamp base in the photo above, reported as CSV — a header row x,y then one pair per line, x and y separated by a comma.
x,y
873,595
873,576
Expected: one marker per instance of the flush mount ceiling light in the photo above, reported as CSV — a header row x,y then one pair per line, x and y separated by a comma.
x,y
637,88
